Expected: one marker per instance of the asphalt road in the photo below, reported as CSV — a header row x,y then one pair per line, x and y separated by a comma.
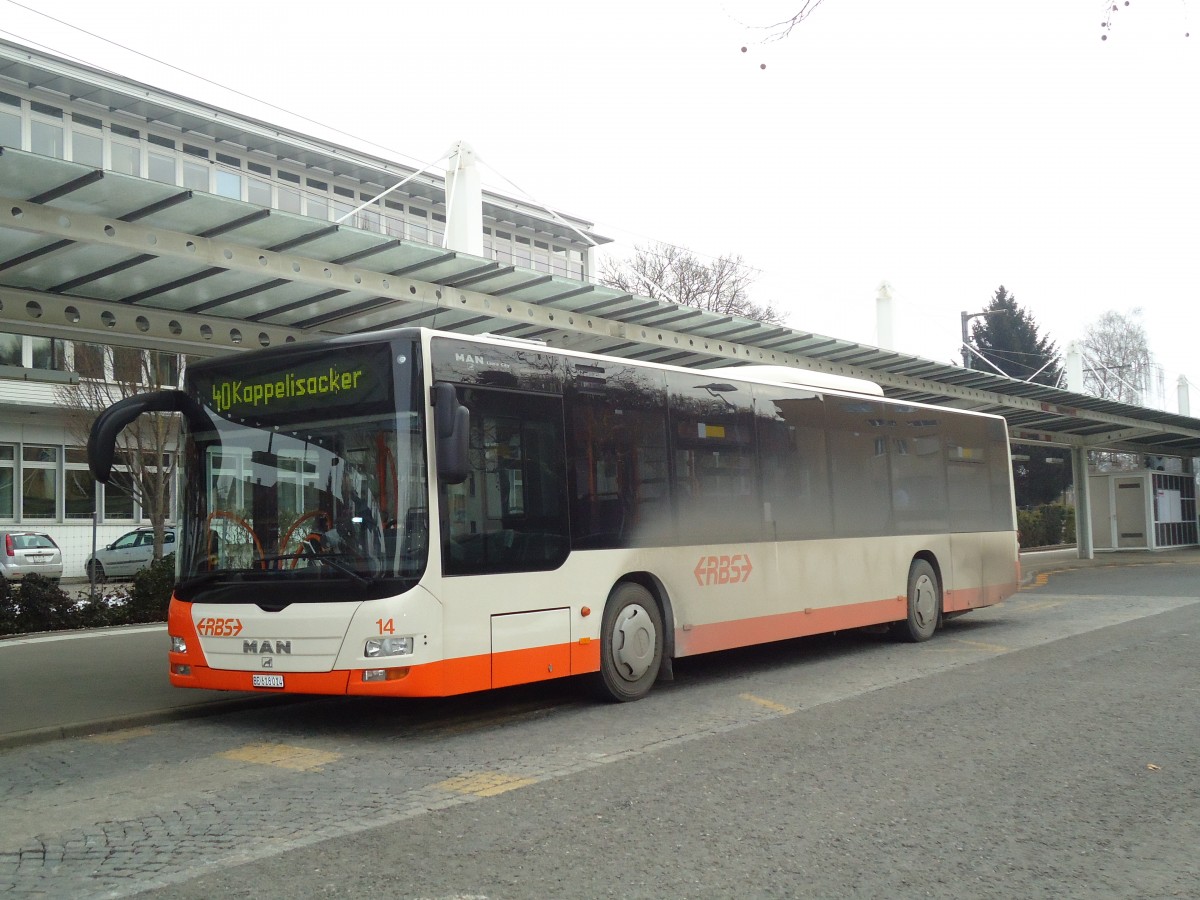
x,y
1044,747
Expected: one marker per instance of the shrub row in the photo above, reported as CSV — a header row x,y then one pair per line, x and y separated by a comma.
x,y
1045,526
38,604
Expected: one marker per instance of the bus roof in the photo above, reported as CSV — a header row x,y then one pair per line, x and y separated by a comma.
x,y
801,377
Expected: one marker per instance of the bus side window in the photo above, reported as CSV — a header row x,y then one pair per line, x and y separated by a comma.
x,y
715,480
510,513
795,462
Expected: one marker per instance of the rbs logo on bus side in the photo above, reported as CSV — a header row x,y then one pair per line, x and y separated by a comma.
x,y
722,569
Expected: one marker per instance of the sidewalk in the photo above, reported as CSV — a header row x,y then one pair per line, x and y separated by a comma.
x,y
1041,562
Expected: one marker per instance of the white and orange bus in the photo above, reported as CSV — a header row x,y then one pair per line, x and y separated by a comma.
x,y
415,513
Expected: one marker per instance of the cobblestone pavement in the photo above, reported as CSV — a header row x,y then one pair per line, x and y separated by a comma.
x,y
119,813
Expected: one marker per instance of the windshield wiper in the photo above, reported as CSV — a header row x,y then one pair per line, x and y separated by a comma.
x,y
327,559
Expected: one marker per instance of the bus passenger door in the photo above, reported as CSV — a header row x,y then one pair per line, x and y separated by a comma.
x,y
510,513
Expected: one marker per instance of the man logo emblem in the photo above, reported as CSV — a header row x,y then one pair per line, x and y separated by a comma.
x,y
268,662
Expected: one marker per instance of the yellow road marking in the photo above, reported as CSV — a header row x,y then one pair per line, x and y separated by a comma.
x,y
980,645
119,737
1037,605
281,756
768,704
484,784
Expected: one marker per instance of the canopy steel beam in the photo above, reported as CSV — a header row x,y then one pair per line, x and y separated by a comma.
x,y
391,296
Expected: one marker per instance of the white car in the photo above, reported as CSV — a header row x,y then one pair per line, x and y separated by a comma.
x,y
128,554
29,553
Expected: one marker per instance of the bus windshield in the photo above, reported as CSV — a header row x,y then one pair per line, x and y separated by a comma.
x,y
308,481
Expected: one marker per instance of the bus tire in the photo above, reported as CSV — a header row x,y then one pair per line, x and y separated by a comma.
x,y
631,644
924,604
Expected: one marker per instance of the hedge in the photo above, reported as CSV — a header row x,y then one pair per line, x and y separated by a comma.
x,y
38,604
1046,526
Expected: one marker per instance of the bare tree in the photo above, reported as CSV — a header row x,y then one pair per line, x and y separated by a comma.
x,y
782,29
664,272
1117,361
147,449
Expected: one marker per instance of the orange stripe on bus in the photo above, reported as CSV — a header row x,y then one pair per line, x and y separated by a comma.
x,y
483,671
763,629
442,678
820,620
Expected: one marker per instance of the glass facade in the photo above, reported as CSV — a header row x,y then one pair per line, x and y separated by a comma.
x,y
198,164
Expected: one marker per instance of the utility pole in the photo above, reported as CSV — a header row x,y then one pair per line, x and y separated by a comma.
x,y
966,340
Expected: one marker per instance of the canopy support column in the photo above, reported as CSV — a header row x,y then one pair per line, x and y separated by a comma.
x,y
1083,502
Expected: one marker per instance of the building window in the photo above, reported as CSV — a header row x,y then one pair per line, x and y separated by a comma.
x,y
8,471
127,365
161,168
521,251
229,184
317,208
195,175
504,246
126,159
39,482
369,218
165,368
87,148
79,494
48,353
393,219
10,129
418,230
289,200
258,192
10,121
118,503
46,138
10,349
89,360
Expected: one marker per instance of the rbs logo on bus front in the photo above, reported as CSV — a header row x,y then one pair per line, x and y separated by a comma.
x,y
722,569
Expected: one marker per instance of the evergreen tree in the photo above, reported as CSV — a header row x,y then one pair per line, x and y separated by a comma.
x,y
1008,337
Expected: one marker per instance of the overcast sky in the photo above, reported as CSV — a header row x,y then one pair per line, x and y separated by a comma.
x,y
945,147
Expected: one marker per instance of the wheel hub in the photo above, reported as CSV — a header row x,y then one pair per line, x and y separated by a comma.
x,y
925,601
633,642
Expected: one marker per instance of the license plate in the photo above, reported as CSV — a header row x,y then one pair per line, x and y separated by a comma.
x,y
275,681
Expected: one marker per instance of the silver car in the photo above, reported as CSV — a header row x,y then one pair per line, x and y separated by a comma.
x,y
29,553
128,554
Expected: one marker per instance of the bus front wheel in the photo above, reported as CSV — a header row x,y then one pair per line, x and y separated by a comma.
x,y
631,644
924,604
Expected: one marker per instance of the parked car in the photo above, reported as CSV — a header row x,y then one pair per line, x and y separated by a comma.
x,y
129,553
29,552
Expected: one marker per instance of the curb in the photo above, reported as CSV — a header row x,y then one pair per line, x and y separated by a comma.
x,y
156,717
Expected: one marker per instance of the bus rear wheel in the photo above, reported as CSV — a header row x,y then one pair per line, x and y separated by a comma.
x,y
924,604
631,644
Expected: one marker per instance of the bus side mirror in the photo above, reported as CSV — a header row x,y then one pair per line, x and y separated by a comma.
x,y
451,433
102,440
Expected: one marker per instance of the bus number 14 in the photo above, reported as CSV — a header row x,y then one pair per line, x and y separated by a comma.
x,y
387,626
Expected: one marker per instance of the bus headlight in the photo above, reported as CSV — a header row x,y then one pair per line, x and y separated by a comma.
x,y
388,646
178,644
